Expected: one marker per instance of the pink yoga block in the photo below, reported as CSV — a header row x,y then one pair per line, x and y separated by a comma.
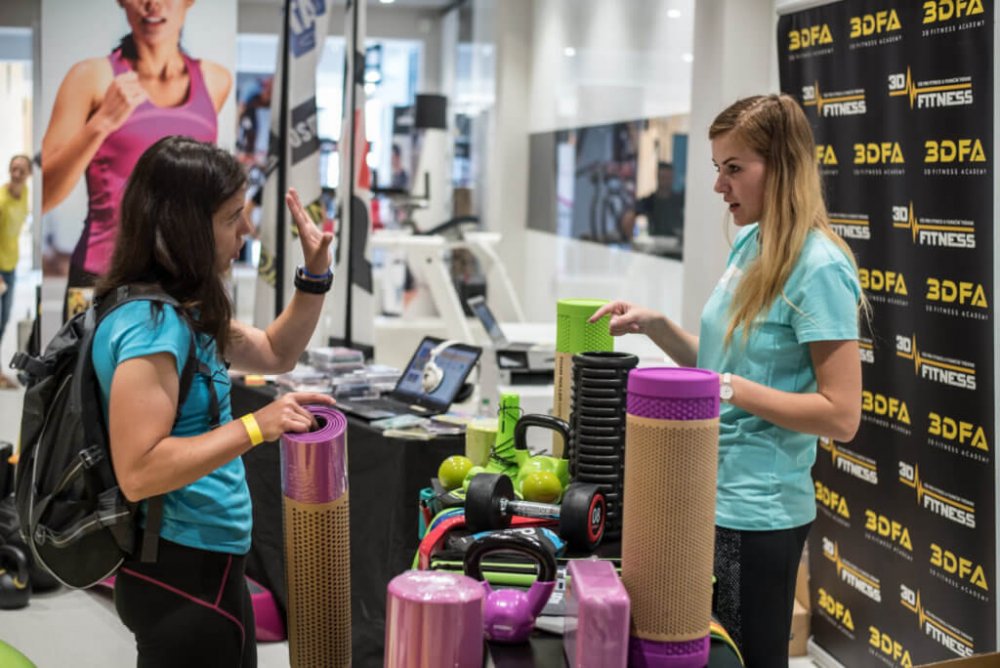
x,y
597,616
434,620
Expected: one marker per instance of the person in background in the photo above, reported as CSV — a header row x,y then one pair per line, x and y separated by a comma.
x,y
109,110
781,327
182,225
14,198
663,208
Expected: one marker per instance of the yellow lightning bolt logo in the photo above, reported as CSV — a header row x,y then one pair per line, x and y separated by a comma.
x,y
841,566
911,90
918,486
836,453
922,618
919,360
913,224
819,101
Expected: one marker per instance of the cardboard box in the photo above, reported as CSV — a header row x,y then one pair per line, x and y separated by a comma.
x,y
800,631
978,661
802,582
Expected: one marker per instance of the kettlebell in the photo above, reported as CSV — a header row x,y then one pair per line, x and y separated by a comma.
x,y
527,464
509,614
14,581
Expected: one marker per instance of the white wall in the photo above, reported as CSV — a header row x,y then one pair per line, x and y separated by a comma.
x,y
629,63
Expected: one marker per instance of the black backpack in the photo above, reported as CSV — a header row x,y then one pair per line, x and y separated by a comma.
x,y
74,518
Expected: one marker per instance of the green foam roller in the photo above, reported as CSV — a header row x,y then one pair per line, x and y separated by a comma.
x,y
574,334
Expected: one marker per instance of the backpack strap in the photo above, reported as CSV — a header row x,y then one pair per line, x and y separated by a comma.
x,y
151,292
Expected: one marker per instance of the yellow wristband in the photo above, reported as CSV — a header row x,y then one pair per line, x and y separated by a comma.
x,y
253,429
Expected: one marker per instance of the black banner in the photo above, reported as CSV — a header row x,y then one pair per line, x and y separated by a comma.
x,y
901,98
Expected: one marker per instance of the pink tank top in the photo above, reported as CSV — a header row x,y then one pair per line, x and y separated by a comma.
x,y
114,161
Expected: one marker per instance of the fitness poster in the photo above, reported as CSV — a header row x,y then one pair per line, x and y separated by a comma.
x,y
293,154
902,554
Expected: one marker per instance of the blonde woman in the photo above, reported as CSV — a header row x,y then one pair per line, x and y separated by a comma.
x,y
781,327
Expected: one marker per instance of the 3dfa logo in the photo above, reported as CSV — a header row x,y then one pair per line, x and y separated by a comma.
x,y
878,280
885,406
931,94
935,232
963,293
856,465
944,504
944,370
851,225
825,155
832,104
945,10
866,349
952,564
881,21
835,610
954,150
302,15
888,647
810,36
880,525
862,581
957,431
945,634
832,501
878,153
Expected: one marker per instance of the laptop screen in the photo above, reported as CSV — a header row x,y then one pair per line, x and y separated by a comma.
x,y
478,306
456,361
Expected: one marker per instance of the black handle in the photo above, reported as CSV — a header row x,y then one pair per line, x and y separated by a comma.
x,y
546,422
510,542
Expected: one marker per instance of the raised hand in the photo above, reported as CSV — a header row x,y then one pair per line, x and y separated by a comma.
x,y
289,413
315,243
120,99
626,318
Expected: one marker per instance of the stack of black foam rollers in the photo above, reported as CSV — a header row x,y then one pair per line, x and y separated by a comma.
x,y
597,427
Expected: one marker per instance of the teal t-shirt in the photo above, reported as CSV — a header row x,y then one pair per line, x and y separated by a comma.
x,y
212,513
764,480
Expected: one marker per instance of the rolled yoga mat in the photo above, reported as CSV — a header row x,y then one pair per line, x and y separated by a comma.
x,y
317,542
668,528
434,619
574,335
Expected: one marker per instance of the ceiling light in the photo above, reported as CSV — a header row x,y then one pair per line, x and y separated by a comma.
x,y
569,52
387,2
687,57
671,13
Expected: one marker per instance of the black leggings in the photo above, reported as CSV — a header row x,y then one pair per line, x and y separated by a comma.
x,y
190,608
755,590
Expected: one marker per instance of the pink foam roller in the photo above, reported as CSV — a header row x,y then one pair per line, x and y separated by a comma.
x,y
597,616
434,620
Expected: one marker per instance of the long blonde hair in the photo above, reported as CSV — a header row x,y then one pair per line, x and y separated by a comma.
x,y
775,127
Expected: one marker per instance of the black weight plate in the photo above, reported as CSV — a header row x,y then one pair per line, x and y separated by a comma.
x,y
482,502
582,516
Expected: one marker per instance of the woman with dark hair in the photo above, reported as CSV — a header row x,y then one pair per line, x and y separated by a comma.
x,y
109,110
182,224
781,328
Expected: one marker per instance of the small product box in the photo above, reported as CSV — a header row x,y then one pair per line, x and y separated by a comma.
x,y
597,616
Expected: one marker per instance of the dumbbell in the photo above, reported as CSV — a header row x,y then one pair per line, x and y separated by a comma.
x,y
490,504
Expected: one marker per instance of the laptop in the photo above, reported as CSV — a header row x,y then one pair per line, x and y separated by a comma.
x,y
409,397
530,363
